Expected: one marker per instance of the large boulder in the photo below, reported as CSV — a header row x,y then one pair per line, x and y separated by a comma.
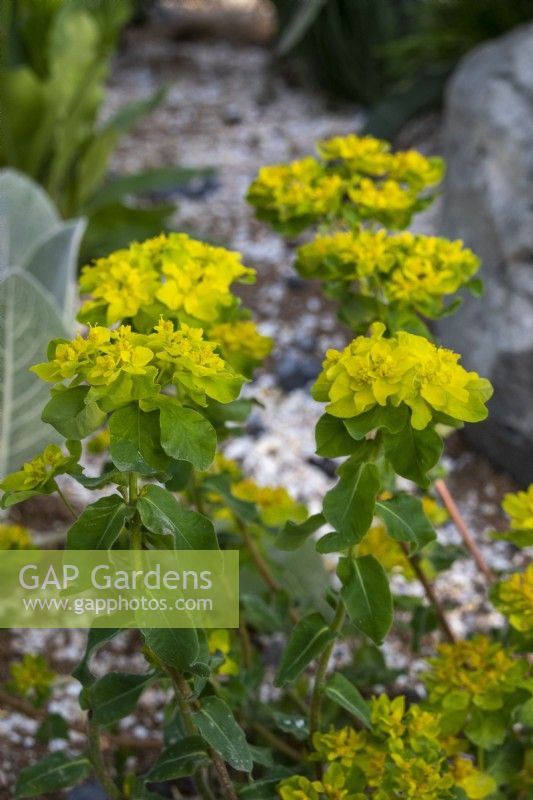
x,y
488,202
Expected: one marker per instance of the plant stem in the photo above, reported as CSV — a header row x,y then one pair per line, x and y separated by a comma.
x,y
263,567
182,692
225,781
462,527
133,487
247,651
414,561
321,671
97,760
135,525
278,743
66,502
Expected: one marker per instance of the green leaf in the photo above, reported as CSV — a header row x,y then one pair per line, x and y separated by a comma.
x,y
69,414
413,453
349,506
366,595
294,724
304,15
28,319
115,695
54,264
107,476
218,727
341,691
262,755
55,772
27,216
160,179
161,513
524,713
487,729
54,726
134,443
265,788
186,435
393,418
309,638
260,615
115,225
294,534
98,527
404,517
505,761
332,438
176,647
96,638
180,472
179,760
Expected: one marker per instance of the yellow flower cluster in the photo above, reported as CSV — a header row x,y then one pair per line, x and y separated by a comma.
x,y
218,641
369,156
353,172
363,154
296,194
412,269
31,677
519,507
388,202
172,275
477,671
35,473
166,356
14,537
274,503
514,598
376,371
241,344
403,756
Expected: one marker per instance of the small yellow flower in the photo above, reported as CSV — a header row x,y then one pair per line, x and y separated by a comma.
x,y
413,168
479,671
173,273
167,356
274,503
374,371
296,194
436,513
363,154
36,473
388,716
475,784
519,507
339,745
418,779
240,343
31,677
219,640
513,597
14,537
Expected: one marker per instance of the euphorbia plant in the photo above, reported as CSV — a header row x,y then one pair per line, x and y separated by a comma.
x,y
157,377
